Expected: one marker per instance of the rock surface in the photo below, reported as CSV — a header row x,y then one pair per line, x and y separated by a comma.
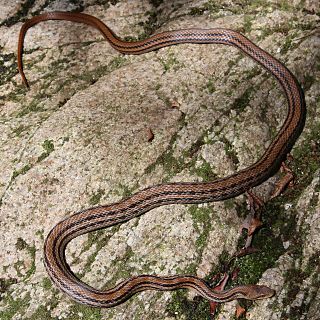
x,y
79,138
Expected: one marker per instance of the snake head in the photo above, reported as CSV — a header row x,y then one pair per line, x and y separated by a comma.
x,y
256,292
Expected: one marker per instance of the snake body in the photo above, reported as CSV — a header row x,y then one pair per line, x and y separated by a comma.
x,y
169,193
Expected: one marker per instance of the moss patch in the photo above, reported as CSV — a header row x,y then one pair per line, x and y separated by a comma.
x,y
210,7
252,266
150,25
31,249
32,269
78,311
180,305
210,86
170,62
48,147
170,164
125,191
96,197
23,170
6,283
204,171
21,244
230,152
201,217
242,102
46,283
198,308
24,9
306,161
8,67
14,306
19,130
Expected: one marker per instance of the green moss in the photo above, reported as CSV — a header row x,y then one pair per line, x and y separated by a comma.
x,y
210,7
163,96
201,217
48,147
197,11
203,139
116,63
21,244
94,75
229,204
23,170
305,164
40,234
173,165
295,278
247,23
8,67
180,305
93,237
191,268
41,313
19,130
170,164
309,80
96,197
18,265
170,62
123,268
313,264
13,306
18,95
91,259
252,73
124,191
85,312
242,102
34,106
150,25
196,146
210,86
286,45
282,28
252,266
216,9
88,77
254,4
230,152
32,269
204,171
306,161
284,5
6,283
46,283
23,10
98,238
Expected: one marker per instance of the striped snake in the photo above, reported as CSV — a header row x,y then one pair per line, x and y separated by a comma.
x,y
169,193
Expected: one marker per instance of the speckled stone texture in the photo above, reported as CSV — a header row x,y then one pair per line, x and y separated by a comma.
x,y
79,138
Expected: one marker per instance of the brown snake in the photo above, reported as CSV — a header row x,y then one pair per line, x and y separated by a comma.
x,y
170,193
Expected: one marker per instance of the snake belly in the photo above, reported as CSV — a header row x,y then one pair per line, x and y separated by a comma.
x,y
169,193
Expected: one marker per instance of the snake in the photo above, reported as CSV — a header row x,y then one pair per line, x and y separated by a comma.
x,y
142,201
